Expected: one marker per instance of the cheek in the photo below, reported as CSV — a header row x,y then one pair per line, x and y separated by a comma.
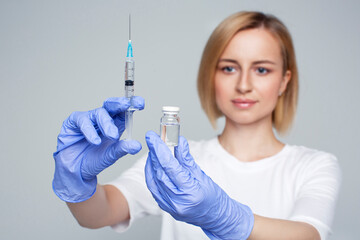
x,y
270,91
220,93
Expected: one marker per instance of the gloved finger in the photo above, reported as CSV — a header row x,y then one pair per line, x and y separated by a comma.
x,y
182,154
150,179
116,105
163,180
81,121
153,186
121,148
111,153
112,105
176,201
161,153
119,121
102,119
138,102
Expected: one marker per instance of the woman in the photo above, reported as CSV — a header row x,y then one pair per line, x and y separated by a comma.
x,y
244,183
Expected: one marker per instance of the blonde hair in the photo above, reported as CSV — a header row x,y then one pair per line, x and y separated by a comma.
x,y
285,109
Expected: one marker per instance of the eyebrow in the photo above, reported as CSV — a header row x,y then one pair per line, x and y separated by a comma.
x,y
265,61
256,62
228,60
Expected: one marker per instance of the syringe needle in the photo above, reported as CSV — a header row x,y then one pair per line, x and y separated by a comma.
x,y
129,27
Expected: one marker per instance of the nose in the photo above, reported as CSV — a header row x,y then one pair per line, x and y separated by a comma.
x,y
244,84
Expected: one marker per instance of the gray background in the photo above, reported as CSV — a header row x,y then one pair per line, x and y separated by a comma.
x,y
61,56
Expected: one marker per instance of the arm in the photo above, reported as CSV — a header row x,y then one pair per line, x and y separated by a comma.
x,y
87,144
320,177
106,207
182,189
270,228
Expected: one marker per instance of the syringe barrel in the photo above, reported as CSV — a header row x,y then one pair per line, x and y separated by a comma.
x,y
129,69
129,77
129,123
129,91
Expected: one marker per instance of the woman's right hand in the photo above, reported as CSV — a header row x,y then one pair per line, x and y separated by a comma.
x,y
87,144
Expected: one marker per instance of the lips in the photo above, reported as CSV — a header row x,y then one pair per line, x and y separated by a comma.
x,y
243,103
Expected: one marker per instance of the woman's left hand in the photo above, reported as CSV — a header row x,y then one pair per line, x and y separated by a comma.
x,y
183,190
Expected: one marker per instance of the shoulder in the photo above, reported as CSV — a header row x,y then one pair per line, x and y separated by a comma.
x,y
312,161
307,155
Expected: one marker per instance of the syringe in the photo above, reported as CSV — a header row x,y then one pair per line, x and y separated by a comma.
x,y
129,84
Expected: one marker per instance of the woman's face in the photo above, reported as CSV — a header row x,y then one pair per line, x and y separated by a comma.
x,y
249,77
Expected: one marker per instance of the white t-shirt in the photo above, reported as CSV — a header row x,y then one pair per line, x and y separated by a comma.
x,y
298,183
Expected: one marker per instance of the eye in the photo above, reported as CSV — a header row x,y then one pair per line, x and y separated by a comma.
x,y
228,69
262,71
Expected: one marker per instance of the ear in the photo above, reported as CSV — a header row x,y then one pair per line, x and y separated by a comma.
x,y
285,81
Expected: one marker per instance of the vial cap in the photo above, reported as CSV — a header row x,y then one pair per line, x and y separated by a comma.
x,y
170,109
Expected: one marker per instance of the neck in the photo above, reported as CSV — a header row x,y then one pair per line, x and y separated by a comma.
x,y
250,142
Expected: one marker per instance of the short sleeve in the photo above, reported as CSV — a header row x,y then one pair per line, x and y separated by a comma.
x,y
133,186
318,191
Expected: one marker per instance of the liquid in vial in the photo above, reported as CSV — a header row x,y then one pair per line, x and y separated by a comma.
x,y
170,134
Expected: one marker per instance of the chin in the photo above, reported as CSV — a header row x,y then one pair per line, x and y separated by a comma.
x,y
247,119
240,120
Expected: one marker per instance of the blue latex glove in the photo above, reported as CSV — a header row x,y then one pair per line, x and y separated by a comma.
x,y
87,144
182,189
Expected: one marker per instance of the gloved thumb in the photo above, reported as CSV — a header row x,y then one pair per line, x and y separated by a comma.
x,y
156,145
152,139
182,154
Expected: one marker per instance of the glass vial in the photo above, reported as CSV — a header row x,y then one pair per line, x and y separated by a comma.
x,y
170,126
